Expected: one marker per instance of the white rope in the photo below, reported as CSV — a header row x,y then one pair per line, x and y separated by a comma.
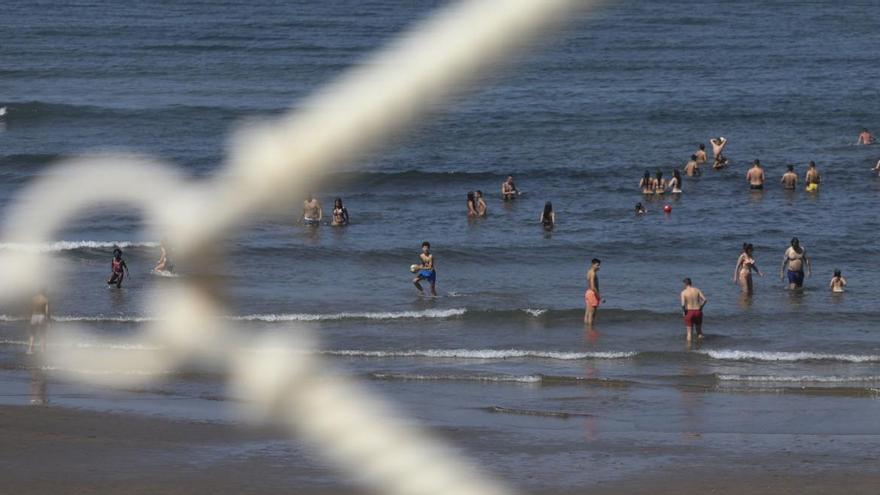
x,y
360,111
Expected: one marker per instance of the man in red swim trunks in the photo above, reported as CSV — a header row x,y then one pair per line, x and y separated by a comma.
x,y
591,297
692,302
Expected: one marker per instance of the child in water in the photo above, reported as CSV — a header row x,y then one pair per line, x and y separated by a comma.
x,y
837,282
640,210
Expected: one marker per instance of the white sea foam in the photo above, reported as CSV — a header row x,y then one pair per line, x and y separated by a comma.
x,y
391,315
535,312
483,354
798,379
731,355
470,378
58,246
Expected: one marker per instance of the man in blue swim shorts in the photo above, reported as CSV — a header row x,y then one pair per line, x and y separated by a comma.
x,y
426,269
793,264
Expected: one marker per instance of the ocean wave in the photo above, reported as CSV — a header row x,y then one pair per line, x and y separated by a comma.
x,y
483,354
783,356
59,246
465,378
535,312
89,345
388,315
798,379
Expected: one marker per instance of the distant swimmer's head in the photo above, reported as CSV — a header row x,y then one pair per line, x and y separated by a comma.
x,y
595,263
548,208
694,157
864,129
648,174
659,174
470,196
748,248
837,272
337,203
479,193
117,253
791,168
509,178
702,147
795,242
426,246
757,163
812,164
676,174
639,209
687,282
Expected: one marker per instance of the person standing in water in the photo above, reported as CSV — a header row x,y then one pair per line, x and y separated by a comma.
x,y
339,215
312,211
548,216
745,265
675,182
471,204
647,183
39,321
164,264
789,179
118,269
659,184
837,282
692,167
812,177
755,176
692,303
480,203
700,155
718,145
426,270
865,137
793,265
508,189
592,298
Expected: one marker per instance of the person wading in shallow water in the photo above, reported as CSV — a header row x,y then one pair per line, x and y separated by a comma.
x,y
793,265
745,265
592,298
39,321
118,269
692,303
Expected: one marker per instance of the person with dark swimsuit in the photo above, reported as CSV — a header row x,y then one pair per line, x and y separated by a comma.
x,y
118,269
340,214
548,216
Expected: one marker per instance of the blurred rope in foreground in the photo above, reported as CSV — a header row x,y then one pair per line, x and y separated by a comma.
x,y
276,160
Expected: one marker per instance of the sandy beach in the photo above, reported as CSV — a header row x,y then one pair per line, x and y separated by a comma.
x,y
68,451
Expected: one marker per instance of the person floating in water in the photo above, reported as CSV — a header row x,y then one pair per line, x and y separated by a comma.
x,y
692,303
509,190
789,179
548,216
39,321
312,211
339,214
865,137
471,204
793,265
118,269
647,183
640,210
755,176
718,145
745,265
692,167
592,298
699,156
426,270
837,282
812,177
164,264
480,204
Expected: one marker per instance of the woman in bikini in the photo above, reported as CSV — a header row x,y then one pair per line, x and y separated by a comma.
x,y
745,264
659,184
471,204
340,214
647,184
675,182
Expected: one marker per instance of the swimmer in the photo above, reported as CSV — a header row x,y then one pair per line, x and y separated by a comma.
x,y
548,216
675,182
426,269
837,282
865,137
659,184
718,145
482,209
508,189
647,183
692,303
700,155
640,210
39,321
692,167
164,264
789,179
591,296
755,176
339,215
312,211
793,262
877,167
118,269
812,178
471,205
745,264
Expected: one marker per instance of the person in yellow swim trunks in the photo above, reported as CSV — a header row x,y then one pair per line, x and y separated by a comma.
x,y
812,179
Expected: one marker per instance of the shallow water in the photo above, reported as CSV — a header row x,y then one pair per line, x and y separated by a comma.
x,y
634,86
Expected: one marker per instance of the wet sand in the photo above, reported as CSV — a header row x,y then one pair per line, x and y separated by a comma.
x,y
68,451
